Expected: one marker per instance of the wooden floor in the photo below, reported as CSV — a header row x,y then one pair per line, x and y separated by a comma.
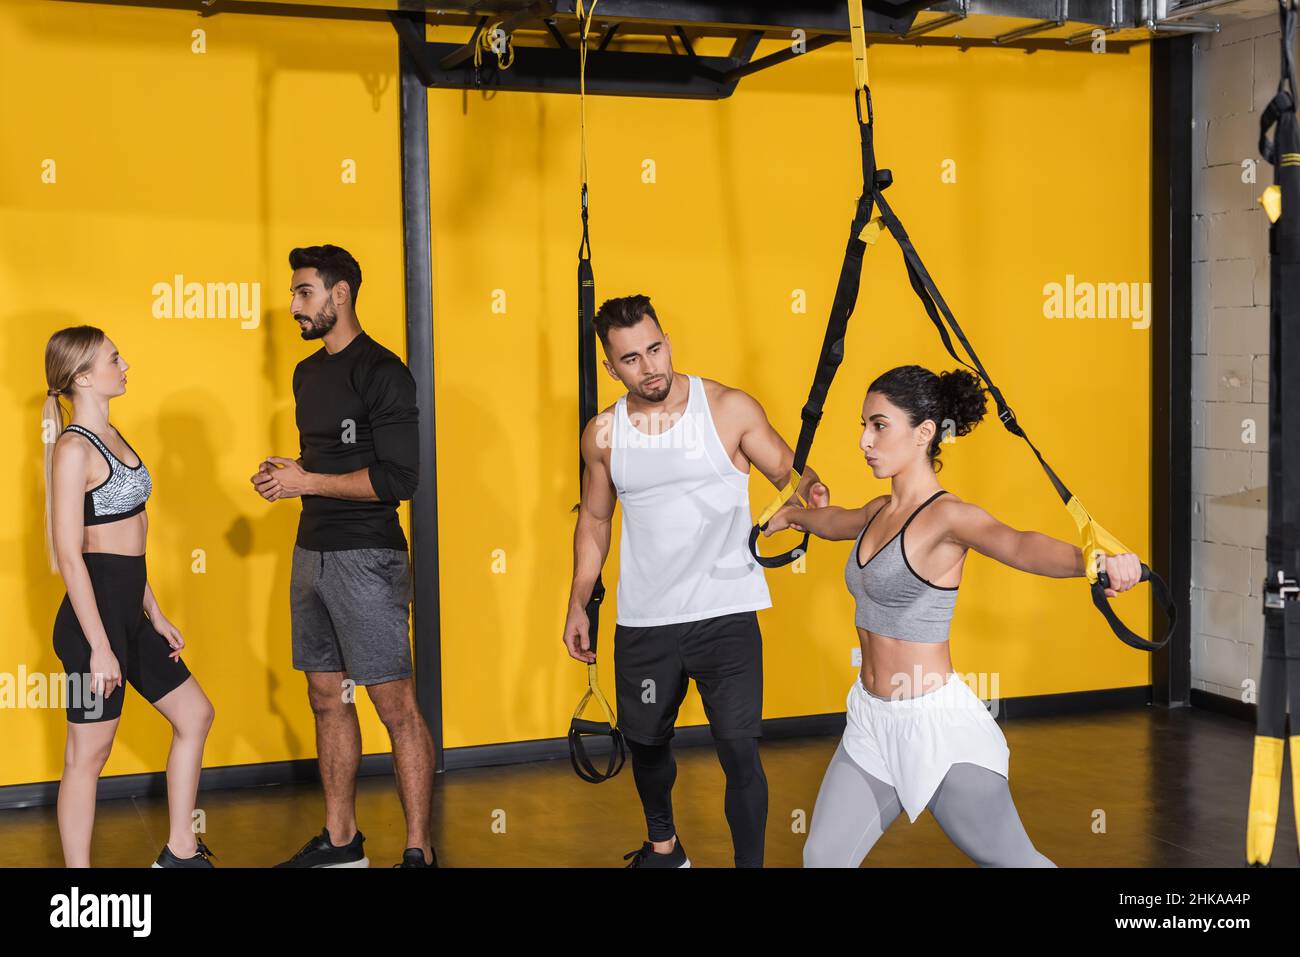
x,y
1135,788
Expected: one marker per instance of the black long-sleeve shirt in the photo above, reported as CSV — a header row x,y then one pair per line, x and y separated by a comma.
x,y
356,409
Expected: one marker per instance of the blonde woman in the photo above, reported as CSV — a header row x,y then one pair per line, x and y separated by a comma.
x,y
109,629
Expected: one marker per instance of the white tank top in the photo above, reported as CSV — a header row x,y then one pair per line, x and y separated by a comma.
x,y
684,552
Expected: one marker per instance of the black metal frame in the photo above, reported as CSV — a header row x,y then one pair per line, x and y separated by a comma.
x,y
555,70
417,228
684,75
1171,358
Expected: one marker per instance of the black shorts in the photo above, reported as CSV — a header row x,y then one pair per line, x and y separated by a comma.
x,y
652,664
142,653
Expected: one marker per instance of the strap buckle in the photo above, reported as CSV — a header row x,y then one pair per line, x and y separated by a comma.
x,y
809,414
1277,592
1007,416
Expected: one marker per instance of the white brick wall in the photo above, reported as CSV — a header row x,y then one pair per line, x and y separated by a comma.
x,y
1235,74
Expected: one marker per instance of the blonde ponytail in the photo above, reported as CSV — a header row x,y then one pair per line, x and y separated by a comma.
x,y
68,354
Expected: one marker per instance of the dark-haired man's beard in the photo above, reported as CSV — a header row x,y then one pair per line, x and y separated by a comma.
x,y
321,323
658,388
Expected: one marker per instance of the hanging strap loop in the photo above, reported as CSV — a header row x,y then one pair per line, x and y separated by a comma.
x,y
580,727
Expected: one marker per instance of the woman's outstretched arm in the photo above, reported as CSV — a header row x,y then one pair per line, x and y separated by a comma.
x,y
1032,552
829,522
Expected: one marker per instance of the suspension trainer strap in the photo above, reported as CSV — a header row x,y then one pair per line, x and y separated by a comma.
x,y
580,727
1280,662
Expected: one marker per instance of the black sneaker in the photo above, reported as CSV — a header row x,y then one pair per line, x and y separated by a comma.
x,y
320,851
200,858
647,856
414,857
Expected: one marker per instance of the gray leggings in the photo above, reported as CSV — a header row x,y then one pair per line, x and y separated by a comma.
x,y
972,804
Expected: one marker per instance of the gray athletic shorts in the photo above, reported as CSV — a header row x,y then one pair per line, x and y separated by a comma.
x,y
350,612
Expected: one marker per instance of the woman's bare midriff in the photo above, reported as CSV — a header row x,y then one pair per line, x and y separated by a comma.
x,y
124,537
892,668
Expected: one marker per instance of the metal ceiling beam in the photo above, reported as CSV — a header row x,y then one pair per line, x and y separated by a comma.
x,y
1185,26
931,25
774,17
548,70
610,30
1183,11
781,56
812,16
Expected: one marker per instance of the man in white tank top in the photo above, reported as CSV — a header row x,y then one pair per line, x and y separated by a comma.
x,y
676,451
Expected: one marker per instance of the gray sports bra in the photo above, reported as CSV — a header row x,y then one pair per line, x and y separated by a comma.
x,y
123,493
892,599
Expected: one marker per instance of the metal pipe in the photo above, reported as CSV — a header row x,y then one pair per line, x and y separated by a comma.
x,y
1026,31
1192,9
1186,26
932,25
610,30
780,56
417,262
1084,36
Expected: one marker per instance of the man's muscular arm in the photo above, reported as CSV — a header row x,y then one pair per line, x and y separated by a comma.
x,y
591,536
763,445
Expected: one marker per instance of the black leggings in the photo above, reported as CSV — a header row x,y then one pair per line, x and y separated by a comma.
x,y
655,771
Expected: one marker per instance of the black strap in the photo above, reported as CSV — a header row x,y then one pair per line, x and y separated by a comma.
x,y
1282,544
1122,632
582,763
937,309
1280,661
579,727
587,380
1284,101
874,184
832,351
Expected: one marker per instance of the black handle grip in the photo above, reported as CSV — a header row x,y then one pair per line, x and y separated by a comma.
x,y
582,763
775,561
583,726
1122,632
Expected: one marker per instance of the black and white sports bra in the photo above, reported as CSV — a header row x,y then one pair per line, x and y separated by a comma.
x,y
123,493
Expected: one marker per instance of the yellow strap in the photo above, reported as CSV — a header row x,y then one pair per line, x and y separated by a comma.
x,y
1272,202
1265,789
858,34
593,691
485,43
584,27
1097,542
791,489
1295,778
871,232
